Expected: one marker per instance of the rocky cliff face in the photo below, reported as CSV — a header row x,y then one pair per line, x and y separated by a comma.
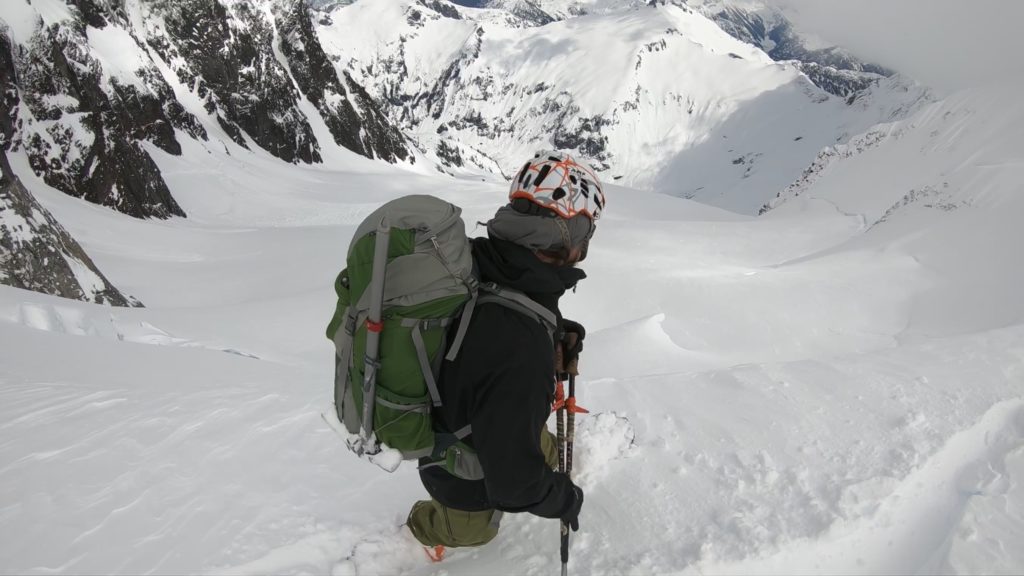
x,y
226,52
100,86
36,252
352,116
83,128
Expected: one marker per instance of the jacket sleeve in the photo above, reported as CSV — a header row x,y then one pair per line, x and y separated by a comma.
x,y
511,404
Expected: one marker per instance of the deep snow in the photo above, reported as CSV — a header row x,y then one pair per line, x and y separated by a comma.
x,y
834,387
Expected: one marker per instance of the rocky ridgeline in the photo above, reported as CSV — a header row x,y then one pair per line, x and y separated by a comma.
x,y
831,69
83,126
36,252
856,146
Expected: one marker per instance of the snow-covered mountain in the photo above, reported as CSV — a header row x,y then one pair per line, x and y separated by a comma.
x,y
104,84
753,21
95,92
656,96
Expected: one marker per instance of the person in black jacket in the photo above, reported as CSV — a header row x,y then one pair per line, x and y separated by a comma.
x,y
502,382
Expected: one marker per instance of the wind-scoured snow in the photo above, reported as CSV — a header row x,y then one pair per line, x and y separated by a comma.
x,y
833,387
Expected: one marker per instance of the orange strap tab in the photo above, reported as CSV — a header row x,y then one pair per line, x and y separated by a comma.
x,y
559,397
572,407
377,327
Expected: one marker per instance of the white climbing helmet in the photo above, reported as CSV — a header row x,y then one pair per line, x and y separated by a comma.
x,y
561,183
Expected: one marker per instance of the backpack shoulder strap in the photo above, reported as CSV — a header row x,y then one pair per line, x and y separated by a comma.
x,y
509,298
516,300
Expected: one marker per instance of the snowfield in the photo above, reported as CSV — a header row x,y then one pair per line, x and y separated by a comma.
x,y
834,387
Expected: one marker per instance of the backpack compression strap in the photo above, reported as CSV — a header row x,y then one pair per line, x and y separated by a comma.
x,y
508,298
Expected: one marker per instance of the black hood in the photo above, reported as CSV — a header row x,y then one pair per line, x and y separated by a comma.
x,y
511,265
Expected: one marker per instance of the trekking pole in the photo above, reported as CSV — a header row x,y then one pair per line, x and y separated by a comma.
x,y
560,430
571,408
569,433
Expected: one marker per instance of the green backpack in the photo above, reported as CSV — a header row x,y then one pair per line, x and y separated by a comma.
x,y
406,296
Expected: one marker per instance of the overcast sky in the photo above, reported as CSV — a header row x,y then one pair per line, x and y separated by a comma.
x,y
946,44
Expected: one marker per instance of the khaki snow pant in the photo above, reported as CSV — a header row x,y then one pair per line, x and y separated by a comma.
x,y
433,523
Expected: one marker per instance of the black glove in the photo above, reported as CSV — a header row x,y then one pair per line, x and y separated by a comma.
x,y
572,516
570,345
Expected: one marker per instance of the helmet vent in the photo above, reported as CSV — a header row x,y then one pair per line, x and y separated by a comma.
x,y
558,194
544,171
522,173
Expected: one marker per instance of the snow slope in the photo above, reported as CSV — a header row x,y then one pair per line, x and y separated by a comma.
x,y
834,387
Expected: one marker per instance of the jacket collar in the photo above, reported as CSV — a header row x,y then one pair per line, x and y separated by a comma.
x,y
516,267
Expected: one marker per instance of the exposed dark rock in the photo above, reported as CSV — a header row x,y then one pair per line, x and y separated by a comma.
x,y
9,97
789,46
526,11
843,83
380,135
36,253
91,149
415,18
443,8
326,6
355,120
531,14
91,13
449,155
583,135
230,58
831,69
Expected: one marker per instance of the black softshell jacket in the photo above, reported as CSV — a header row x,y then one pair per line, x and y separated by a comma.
x,y
502,382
